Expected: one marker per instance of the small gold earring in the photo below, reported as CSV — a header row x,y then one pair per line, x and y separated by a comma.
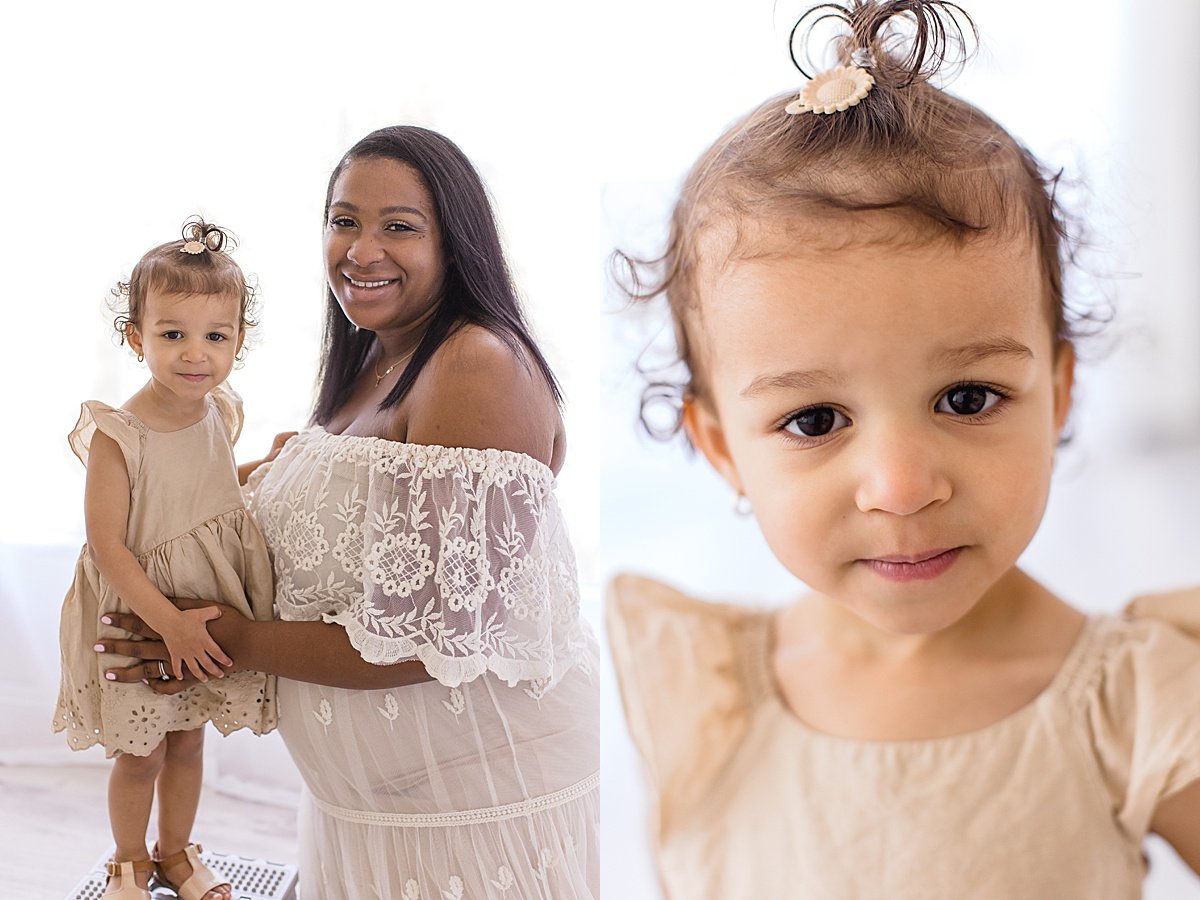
x,y
140,357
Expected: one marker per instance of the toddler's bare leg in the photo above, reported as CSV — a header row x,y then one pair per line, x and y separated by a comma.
x,y
130,795
178,799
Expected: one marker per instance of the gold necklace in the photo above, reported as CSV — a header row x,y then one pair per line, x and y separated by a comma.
x,y
379,376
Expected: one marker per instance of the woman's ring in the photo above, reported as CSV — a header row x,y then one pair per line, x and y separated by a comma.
x,y
162,672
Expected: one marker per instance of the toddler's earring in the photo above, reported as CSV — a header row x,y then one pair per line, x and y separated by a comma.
x,y
140,357
741,504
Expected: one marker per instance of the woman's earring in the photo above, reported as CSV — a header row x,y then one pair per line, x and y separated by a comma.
x,y
741,504
140,357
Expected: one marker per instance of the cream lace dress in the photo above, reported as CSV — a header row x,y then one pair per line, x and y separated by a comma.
x,y
482,783
189,529
1049,803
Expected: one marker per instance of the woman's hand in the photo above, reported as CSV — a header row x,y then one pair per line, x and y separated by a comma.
x,y
152,652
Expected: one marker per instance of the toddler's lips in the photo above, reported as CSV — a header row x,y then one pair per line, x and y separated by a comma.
x,y
919,567
192,378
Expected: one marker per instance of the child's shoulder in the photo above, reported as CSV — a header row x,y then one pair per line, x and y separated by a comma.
x,y
119,424
1140,693
691,675
1157,634
1148,654
655,629
640,598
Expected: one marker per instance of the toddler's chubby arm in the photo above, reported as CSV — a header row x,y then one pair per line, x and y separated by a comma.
x,y
246,469
1177,820
106,513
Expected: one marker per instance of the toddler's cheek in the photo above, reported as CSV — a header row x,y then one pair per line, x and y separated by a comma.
x,y
800,544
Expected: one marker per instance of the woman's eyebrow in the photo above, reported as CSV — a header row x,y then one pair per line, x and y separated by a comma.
x,y
968,354
384,211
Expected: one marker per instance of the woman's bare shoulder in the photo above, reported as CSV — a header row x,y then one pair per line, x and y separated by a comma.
x,y
479,390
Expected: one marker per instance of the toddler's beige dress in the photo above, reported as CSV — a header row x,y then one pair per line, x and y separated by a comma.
x,y
1052,801
189,529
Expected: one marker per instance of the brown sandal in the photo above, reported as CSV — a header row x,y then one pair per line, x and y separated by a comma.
x,y
127,872
200,882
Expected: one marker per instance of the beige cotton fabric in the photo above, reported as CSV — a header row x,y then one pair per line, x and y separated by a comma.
x,y
191,532
1051,801
482,784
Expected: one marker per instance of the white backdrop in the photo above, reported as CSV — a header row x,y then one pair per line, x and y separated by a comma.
x,y
121,119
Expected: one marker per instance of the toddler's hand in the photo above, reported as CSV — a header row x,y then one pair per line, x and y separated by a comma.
x,y
276,445
189,644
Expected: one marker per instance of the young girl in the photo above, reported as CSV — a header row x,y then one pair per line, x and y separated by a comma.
x,y
866,284
165,519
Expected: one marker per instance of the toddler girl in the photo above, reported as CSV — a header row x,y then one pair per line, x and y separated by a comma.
x,y
866,284
165,518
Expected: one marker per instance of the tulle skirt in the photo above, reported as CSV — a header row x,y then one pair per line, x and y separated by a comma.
x,y
420,792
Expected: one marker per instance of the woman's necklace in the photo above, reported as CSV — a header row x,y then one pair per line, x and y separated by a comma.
x,y
379,376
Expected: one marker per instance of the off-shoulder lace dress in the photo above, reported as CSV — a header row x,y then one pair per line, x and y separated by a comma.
x,y
482,783
189,529
1053,801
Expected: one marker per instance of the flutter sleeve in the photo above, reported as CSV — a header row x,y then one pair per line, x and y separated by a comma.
x,y
679,668
1146,713
455,557
229,405
122,427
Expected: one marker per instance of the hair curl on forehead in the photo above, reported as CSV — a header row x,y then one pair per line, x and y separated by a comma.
x,y
198,263
909,164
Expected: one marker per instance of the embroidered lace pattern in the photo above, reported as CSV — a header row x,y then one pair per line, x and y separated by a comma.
x,y
457,557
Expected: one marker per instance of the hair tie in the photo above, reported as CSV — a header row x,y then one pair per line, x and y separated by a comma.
x,y
836,89
199,236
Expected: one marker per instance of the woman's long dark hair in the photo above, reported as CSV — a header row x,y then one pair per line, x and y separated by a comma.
x,y
477,288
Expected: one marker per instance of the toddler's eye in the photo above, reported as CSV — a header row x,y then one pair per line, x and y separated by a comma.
x,y
816,421
217,337
968,400
172,335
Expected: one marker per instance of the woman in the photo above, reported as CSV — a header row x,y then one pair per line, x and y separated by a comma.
x,y
436,680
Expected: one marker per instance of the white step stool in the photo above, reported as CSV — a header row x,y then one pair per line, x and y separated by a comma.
x,y
251,879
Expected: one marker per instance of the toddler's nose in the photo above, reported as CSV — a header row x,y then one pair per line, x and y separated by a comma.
x,y
902,473
194,352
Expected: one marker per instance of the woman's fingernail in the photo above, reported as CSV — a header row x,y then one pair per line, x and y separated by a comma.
x,y
111,676
106,620
99,648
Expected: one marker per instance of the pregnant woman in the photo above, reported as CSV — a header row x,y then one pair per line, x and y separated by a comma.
x,y
437,686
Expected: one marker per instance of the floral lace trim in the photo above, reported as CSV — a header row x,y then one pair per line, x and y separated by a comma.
x,y
367,448
464,817
542,671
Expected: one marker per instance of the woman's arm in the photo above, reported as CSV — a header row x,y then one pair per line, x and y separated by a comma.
x,y
1177,821
303,651
106,513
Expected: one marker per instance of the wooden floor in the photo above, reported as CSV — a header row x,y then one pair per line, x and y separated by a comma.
x,y
54,826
